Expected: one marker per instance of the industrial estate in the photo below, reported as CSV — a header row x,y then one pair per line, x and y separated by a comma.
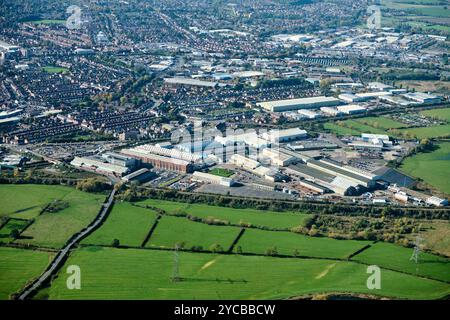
x,y
224,150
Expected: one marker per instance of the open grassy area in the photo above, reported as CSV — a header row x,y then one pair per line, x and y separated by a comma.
x,y
442,131
145,274
175,230
48,21
52,69
18,267
441,114
391,256
340,131
282,220
54,229
381,123
258,241
26,201
432,167
129,224
222,172
12,224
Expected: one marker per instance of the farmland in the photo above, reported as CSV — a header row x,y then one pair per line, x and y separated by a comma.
x,y
441,114
174,230
18,266
258,241
12,224
376,125
432,167
282,220
127,223
398,258
106,275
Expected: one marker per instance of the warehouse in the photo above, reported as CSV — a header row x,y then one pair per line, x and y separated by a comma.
x,y
120,159
244,162
438,202
352,109
372,95
349,97
421,97
314,187
297,104
213,179
309,114
278,158
277,136
331,111
161,162
99,166
141,175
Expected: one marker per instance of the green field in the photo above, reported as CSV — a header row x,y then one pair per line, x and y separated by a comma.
x,y
381,123
175,230
106,275
221,172
129,224
354,127
282,220
340,131
432,167
441,114
52,69
398,258
54,229
258,241
18,267
27,201
442,131
12,224
48,21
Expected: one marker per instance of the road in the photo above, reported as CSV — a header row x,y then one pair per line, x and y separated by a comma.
x,y
64,252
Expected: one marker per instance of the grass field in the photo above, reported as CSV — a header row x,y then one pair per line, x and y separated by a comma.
x,y
441,114
174,230
432,167
381,123
258,241
354,127
106,275
12,224
222,172
395,257
282,220
442,131
18,267
26,201
129,224
52,69
54,229
49,21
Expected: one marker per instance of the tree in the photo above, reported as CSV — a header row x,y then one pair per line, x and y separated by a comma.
x,y
216,248
271,251
115,243
15,234
239,250
296,253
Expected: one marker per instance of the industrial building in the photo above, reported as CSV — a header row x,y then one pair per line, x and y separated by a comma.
x,y
350,98
297,104
141,175
100,166
331,111
352,109
213,179
287,135
424,98
309,114
278,157
120,159
160,162
372,95
438,202
244,162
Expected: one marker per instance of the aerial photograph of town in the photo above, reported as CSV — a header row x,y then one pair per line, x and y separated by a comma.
x,y
239,150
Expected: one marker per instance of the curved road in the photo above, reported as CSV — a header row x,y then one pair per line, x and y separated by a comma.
x,y
63,253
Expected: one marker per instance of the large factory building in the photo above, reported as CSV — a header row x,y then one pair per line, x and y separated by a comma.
x,y
297,104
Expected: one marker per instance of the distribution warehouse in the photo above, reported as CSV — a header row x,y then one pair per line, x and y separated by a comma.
x,y
297,104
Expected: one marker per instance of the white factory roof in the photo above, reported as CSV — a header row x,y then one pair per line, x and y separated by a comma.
x,y
248,74
273,135
172,153
295,102
382,137
373,94
192,82
351,108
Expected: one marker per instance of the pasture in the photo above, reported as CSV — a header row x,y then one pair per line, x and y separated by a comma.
x,y
176,230
127,223
432,167
18,267
110,273
258,241
391,256
12,224
271,219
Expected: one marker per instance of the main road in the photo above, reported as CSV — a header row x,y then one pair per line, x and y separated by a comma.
x,y
64,252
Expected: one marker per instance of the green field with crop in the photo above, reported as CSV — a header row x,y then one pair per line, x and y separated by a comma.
x,y
110,273
12,224
176,230
441,114
286,243
391,256
18,267
271,219
54,229
127,223
432,167
27,201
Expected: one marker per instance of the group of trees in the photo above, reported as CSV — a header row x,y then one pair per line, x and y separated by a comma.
x,y
93,185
